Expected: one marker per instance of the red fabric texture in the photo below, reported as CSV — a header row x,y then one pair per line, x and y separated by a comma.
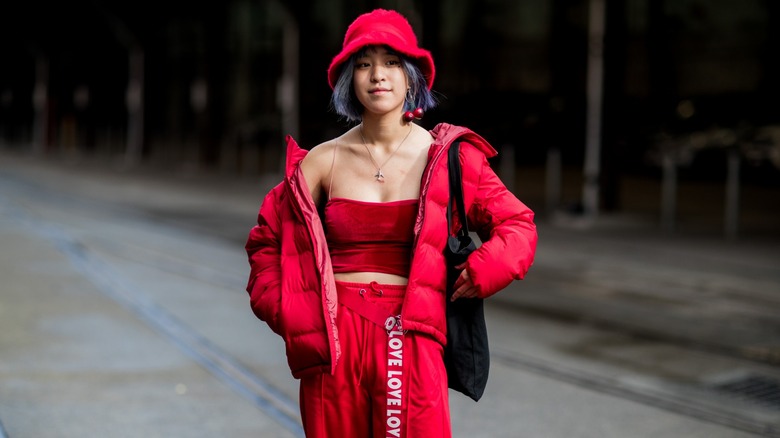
x,y
382,27
353,402
370,236
291,282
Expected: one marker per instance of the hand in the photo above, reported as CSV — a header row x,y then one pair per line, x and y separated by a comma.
x,y
464,287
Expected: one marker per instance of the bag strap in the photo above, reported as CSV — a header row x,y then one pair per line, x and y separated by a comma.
x,y
456,190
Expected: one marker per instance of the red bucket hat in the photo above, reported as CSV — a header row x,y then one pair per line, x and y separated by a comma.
x,y
382,27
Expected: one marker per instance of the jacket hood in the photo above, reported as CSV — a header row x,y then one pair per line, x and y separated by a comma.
x,y
446,133
294,155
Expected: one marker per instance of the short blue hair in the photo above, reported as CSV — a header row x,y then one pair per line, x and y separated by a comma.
x,y
346,104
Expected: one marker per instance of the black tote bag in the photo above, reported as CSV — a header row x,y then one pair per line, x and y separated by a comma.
x,y
466,356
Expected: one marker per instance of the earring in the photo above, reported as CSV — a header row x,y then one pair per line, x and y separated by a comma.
x,y
418,114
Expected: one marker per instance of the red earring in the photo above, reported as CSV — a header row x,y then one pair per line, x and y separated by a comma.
x,y
418,114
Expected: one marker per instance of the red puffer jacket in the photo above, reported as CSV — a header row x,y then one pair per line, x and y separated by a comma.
x,y
291,283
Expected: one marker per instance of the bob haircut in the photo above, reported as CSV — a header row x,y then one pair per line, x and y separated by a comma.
x,y
346,104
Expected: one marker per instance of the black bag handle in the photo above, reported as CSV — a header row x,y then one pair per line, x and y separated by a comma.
x,y
467,353
456,190
459,245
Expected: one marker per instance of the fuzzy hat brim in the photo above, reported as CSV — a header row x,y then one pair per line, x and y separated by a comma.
x,y
382,27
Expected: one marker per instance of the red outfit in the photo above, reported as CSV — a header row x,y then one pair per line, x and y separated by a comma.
x,y
382,27
396,391
379,376
292,286
370,236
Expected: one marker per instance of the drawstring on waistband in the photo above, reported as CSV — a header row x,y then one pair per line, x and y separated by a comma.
x,y
374,288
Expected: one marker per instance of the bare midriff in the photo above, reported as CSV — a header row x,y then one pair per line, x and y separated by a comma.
x,y
367,277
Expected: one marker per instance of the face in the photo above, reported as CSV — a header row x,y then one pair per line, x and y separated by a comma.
x,y
380,81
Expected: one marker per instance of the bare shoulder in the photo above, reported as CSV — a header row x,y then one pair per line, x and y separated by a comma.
x,y
422,138
319,154
316,165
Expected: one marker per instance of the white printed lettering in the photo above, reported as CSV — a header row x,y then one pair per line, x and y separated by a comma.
x,y
395,345
394,401
394,383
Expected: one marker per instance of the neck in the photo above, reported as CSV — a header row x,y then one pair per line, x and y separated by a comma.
x,y
384,134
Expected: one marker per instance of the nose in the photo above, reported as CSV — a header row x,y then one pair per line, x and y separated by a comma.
x,y
377,73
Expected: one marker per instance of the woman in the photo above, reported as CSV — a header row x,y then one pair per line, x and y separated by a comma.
x,y
347,259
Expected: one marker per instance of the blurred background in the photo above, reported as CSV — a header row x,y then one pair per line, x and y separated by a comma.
x,y
137,139
660,110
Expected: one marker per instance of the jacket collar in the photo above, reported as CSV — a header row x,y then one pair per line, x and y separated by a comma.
x,y
446,133
294,155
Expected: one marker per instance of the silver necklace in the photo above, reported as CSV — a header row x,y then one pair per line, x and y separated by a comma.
x,y
380,177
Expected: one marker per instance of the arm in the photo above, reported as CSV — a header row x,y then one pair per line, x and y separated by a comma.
x,y
264,244
505,226
263,248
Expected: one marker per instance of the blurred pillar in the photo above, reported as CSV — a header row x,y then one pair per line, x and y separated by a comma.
x,y
731,220
241,153
565,38
769,85
668,191
616,121
81,101
287,91
134,100
553,177
40,101
6,124
594,92
508,168
199,103
212,115
134,94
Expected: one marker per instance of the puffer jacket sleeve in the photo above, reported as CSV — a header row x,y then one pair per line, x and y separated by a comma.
x,y
263,248
504,224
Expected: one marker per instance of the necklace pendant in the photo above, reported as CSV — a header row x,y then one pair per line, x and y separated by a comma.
x,y
380,177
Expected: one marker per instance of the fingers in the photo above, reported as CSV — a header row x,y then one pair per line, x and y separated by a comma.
x,y
470,292
464,288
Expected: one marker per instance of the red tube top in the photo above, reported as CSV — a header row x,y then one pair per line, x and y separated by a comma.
x,y
370,236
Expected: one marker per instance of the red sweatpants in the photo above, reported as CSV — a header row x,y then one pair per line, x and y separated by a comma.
x,y
386,384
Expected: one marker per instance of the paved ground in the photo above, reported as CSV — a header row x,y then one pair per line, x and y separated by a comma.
x,y
683,292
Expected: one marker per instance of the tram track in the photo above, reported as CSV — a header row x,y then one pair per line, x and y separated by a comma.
x,y
261,393
734,418
85,251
